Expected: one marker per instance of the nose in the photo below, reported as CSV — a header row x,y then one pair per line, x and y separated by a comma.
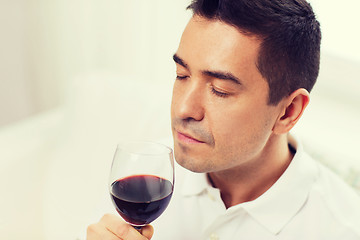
x,y
187,101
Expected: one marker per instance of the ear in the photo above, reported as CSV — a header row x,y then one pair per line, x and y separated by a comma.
x,y
292,109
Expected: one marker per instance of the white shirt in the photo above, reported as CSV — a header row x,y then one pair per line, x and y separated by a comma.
x,y
307,202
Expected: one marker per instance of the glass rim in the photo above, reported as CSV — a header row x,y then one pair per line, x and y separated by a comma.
x,y
129,146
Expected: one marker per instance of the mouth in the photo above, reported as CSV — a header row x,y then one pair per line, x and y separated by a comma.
x,y
186,138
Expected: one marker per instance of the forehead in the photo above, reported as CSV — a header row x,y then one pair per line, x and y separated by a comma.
x,y
209,44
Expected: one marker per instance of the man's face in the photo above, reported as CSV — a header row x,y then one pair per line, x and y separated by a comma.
x,y
220,115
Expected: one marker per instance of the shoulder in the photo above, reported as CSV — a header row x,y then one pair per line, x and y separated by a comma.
x,y
337,198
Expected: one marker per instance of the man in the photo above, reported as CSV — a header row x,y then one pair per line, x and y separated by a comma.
x,y
244,73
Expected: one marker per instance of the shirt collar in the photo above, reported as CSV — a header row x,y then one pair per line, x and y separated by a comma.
x,y
279,204
194,183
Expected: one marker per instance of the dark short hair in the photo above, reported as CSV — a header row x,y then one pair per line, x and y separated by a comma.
x,y
289,55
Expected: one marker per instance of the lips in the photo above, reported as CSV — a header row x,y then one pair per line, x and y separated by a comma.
x,y
187,138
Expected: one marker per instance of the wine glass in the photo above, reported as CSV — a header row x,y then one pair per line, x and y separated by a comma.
x,y
141,181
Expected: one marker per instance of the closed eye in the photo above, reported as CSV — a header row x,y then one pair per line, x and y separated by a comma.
x,y
181,77
218,93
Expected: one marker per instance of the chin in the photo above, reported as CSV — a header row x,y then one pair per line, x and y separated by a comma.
x,y
192,165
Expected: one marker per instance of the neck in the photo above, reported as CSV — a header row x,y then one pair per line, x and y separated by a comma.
x,y
250,180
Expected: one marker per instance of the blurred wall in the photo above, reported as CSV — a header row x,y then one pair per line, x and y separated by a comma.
x,y
44,44
16,89
339,24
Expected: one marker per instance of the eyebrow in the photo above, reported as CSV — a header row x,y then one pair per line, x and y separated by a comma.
x,y
222,75
179,61
215,74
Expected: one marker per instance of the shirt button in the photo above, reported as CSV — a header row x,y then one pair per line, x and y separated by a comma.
x,y
211,196
214,236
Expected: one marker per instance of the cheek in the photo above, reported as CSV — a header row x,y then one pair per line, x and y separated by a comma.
x,y
231,123
173,100
240,132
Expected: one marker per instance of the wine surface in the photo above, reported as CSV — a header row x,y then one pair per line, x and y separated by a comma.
x,y
140,199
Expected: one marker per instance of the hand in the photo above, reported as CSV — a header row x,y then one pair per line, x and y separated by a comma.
x,y
111,227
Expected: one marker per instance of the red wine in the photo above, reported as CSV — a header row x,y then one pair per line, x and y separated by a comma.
x,y
140,199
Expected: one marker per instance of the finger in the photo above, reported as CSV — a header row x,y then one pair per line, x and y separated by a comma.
x,y
120,228
147,231
98,232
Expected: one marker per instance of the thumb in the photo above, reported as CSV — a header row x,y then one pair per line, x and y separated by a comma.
x,y
147,231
